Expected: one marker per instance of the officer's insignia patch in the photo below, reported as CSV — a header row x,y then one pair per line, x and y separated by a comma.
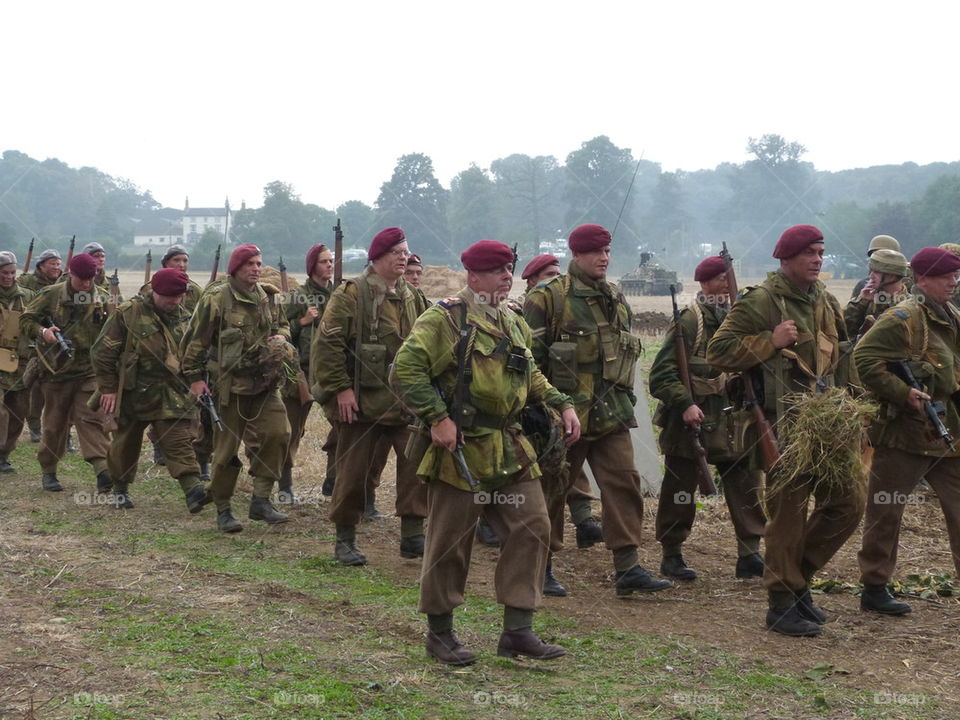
x,y
327,329
450,302
900,314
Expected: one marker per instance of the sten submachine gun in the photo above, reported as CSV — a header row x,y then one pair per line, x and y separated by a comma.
x,y
933,409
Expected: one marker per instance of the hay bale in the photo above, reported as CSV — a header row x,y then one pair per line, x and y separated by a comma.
x,y
440,281
270,274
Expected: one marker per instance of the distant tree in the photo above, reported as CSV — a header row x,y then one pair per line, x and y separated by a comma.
x,y
897,219
201,257
529,189
284,225
937,215
847,230
770,192
8,237
473,208
667,224
414,200
359,223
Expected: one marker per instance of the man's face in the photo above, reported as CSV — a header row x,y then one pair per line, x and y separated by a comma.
x,y
803,269
80,284
716,289
491,287
323,268
550,271
50,269
166,303
413,274
101,258
8,275
594,264
249,273
178,262
938,288
392,264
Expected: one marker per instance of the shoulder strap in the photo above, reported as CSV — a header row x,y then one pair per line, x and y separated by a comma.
x,y
559,290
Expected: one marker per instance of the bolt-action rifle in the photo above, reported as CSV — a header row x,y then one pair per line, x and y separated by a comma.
x,y
695,432
933,408
337,254
768,440
26,263
216,265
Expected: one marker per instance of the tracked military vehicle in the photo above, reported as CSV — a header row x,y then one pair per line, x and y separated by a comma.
x,y
650,278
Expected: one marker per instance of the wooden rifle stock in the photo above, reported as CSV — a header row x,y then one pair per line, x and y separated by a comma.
x,y
73,242
337,254
149,266
704,476
216,265
26,263
768,440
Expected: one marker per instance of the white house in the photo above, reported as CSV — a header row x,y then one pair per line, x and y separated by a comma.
x,y
156,232
198,220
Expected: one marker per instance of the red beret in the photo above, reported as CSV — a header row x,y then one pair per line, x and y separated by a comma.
x,y
586,238
383,241
486,255
709,268
169,282
312,255
537,264
82,266
414,259
795,239
240,255
934,261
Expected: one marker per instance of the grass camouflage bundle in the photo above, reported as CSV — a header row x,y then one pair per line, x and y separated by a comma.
x,y
823,435
279,361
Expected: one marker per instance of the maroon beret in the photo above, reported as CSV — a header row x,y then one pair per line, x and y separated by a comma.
x,y
709,268
169,282
589,237
312,255
82,266
486,255
537,264
383,241
934,261
240,255
795,239
414,259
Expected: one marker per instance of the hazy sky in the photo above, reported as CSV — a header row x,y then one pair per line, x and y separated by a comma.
x,y
210,99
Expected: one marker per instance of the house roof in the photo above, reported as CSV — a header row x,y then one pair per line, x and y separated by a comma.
x,y
157,226
205,212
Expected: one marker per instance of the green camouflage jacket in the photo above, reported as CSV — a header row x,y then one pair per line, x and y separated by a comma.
x,y
857,310
583,344
13,344
226,335
698,323
80,317
34,281
425,375
927,336
143,344
295,303
189,303
357,340
744,340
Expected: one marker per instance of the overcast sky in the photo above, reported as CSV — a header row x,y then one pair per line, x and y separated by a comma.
x,y
213,99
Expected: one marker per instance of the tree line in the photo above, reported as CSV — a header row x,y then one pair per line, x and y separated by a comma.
x,y
529,200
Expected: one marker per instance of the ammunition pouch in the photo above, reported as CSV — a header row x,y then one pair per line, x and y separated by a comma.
x,y
562,364
373,368
418,442
620,355
231,350
9,360
728,436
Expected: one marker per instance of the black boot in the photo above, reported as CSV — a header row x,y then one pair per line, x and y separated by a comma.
x,y
486,534
227,523
784,617
158,457
327,488
285,494
525,642
551,586
674,567
412,547
121,497
205,472
446,648
589,533
104,483
370,512
262,509
197,498
5,466
879,599
347,553
636,579
749,566
51,483
809,611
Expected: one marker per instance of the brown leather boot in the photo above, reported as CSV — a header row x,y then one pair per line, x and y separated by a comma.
x,y
525,642
446,648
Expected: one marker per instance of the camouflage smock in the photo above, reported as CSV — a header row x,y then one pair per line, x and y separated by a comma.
x,y
13,342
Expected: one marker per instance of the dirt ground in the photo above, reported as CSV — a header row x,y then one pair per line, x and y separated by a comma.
x,y
916,654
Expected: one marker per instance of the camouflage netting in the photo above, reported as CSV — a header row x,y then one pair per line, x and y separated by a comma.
x,y
279,361
823,435
439,281
650,322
